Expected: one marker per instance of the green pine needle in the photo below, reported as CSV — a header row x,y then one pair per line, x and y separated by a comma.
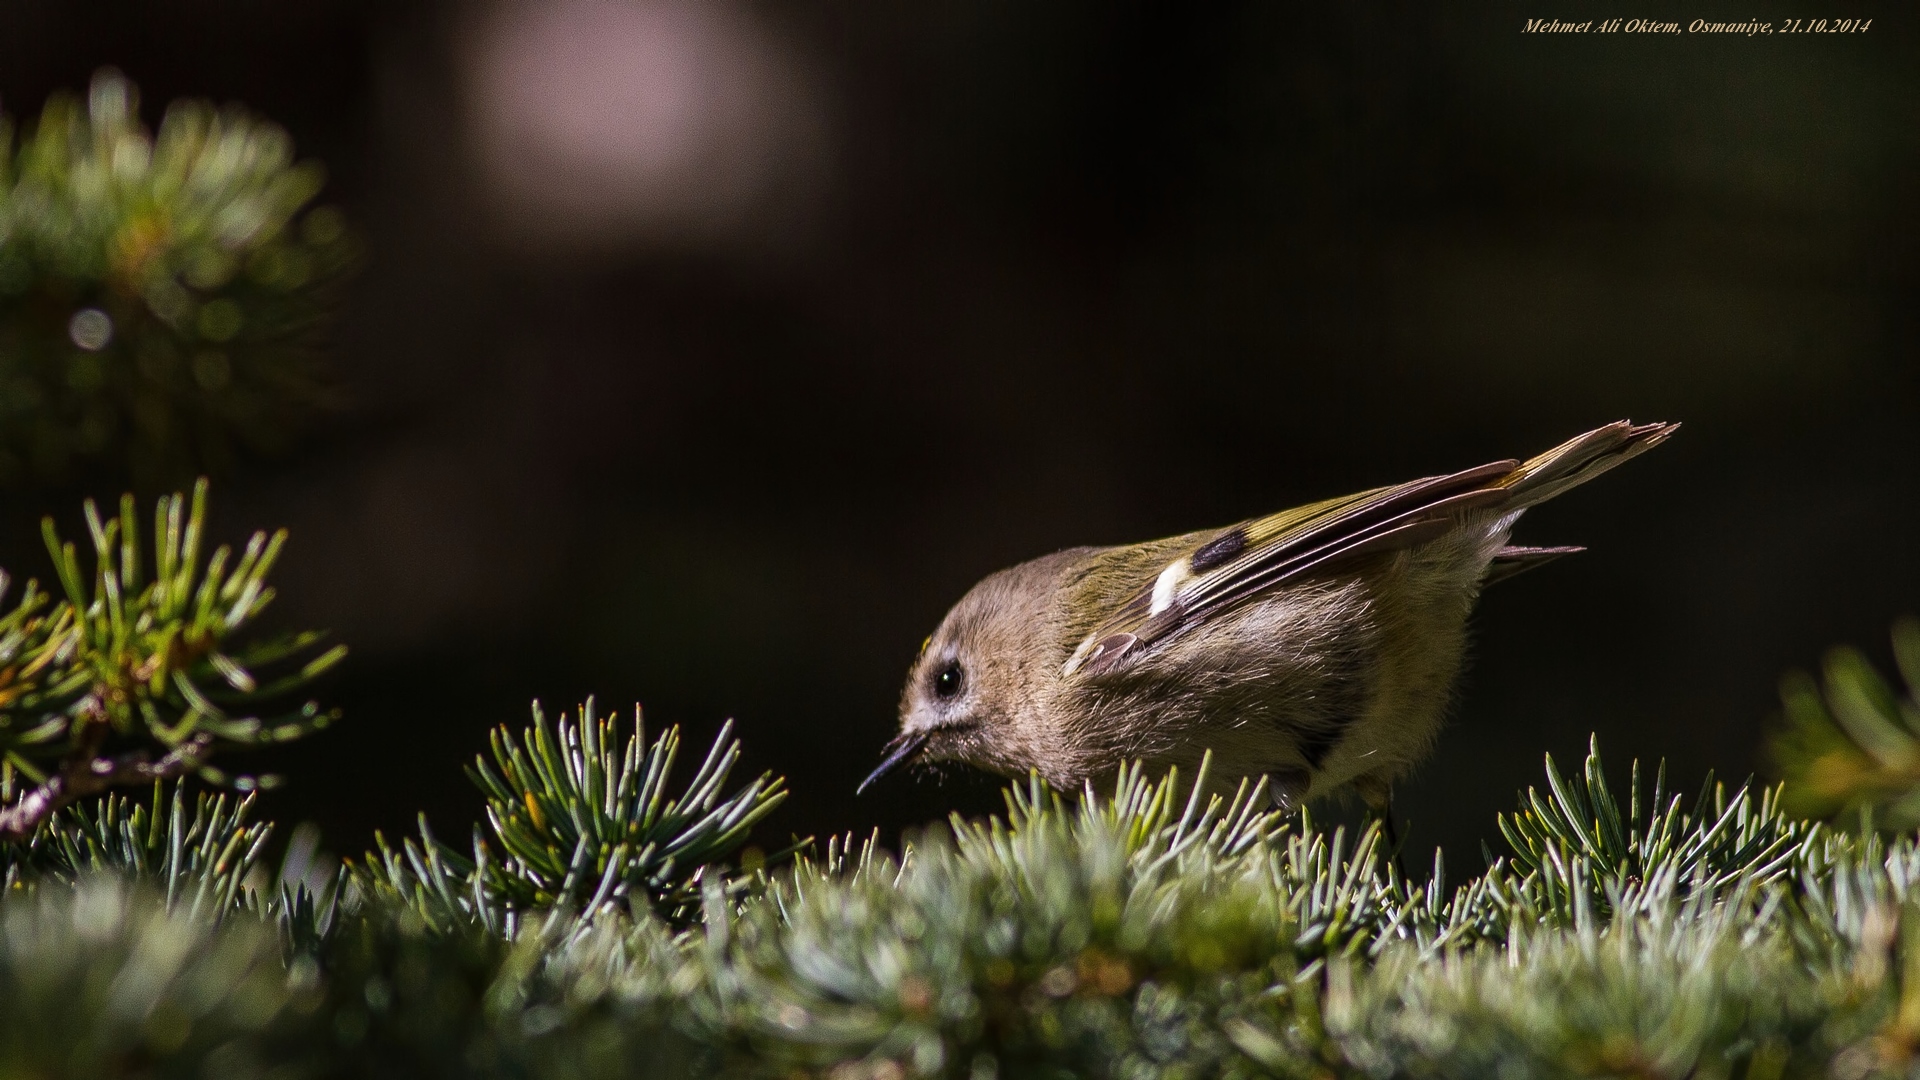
x,y
581,820
145,666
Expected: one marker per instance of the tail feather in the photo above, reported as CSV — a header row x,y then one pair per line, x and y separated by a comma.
x,y
1511,560
1579,460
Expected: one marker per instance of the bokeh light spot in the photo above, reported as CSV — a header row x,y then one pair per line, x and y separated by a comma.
x,y
91,329
600,122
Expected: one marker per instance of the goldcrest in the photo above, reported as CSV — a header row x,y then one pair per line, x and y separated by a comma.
x,y
1317,646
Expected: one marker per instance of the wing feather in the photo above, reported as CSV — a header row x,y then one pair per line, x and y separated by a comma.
x,y
1241,563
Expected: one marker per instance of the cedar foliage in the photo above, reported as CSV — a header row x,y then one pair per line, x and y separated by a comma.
x,y
1142,931
146,667
1130,934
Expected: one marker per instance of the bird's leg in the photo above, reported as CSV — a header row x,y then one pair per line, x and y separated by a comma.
x,y
1377,792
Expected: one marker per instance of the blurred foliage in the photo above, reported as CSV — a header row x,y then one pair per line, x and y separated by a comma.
x,y
581,826
1850,746
129,662
162,296
103,980
1147,934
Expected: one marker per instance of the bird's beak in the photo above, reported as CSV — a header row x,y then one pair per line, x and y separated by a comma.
x,y
904,746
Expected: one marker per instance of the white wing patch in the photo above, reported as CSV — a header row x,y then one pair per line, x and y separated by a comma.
x,y
1168,586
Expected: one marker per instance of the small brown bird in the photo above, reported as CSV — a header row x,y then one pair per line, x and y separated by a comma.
x,y
1317,646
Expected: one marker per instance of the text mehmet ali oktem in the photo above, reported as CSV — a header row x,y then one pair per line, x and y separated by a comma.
x,y
1697,26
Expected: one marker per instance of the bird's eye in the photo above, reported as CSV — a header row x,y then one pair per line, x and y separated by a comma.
x,y
947,683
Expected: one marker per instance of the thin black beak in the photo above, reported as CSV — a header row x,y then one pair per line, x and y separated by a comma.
x,y
904,746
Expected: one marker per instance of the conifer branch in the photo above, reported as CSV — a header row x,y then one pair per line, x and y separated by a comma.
x,y
163,295
134,677
86,774
203,859
1850,744
579,820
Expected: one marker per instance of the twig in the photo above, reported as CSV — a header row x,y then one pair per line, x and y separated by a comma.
x,y
86,774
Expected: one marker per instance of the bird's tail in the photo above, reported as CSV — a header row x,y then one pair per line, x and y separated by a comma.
x,y
1579,460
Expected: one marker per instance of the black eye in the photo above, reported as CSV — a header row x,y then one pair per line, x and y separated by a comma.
x,y
947,683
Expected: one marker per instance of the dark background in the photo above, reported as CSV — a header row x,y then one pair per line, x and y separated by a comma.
x,y
1009,277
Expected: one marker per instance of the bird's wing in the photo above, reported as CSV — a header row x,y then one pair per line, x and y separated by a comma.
x,y
1253,557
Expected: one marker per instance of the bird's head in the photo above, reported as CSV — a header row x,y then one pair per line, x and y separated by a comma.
x,y
978,693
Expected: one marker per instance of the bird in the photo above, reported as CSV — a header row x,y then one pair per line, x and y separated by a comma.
x,y
1317,647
